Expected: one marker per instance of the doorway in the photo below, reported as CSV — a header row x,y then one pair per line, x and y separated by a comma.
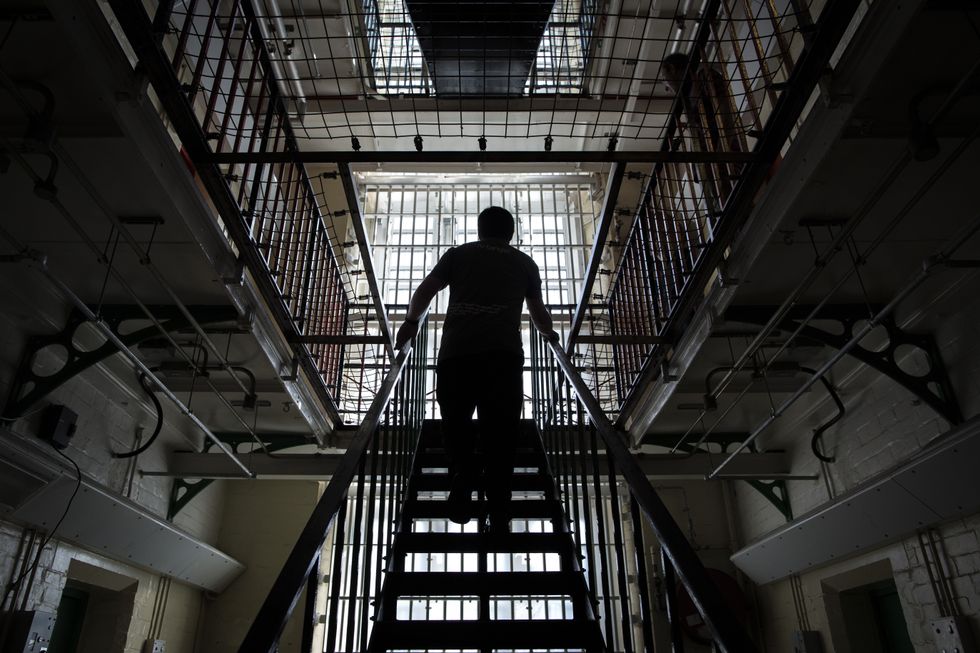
x,y
873,619
95,611
864,611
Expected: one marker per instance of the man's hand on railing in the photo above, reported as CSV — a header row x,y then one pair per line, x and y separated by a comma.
x,y
552,336
408,330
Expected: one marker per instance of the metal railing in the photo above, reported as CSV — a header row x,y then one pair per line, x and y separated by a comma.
x,y
361,503
690,211
215,80
597,477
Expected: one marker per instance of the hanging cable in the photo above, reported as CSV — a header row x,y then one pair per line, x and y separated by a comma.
x,y
156,429
816,443
29,571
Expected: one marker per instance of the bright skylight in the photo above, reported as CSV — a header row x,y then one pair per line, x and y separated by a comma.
x,y
398,66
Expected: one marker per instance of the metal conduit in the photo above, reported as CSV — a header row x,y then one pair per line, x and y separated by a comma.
x,y
929,265
811,276
41,262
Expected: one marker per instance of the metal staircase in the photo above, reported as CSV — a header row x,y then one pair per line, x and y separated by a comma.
x,y
449,586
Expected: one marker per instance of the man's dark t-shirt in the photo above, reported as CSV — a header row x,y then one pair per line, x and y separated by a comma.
x,y
488,281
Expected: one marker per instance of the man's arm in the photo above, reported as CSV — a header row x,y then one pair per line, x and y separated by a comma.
x,y
423,295
540,316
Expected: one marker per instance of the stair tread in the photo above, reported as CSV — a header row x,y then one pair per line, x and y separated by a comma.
x,y
539,509
461,542
520,482
476,583
513,634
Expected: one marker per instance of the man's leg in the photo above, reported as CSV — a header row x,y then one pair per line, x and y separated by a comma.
x,y
457,401
499,405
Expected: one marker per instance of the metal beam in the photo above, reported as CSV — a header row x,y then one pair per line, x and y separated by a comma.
x,y
367,261
320,466
598,245
619,340
312,466
342,340
511,156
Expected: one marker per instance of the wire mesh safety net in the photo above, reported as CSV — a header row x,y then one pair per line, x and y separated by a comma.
x,y
601,74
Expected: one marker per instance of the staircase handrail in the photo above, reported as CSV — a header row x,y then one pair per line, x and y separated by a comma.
x,y
728,633
266,628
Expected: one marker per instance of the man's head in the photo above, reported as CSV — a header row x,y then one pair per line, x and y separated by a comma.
x,y
495,222
673,67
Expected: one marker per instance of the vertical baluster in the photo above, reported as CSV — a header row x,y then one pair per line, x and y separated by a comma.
x,y
588,521
371,529
224,56
333,612
185,32
309,607
619,541
639,549
670,595
600,513
760,51
203,56
356,535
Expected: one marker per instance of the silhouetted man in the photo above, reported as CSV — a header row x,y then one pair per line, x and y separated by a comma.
x,y
481,357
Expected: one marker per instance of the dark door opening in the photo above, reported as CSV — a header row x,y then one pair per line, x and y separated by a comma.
x,y
874,620
69,621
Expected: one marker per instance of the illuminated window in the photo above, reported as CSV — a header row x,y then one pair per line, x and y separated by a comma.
x,y
398,66
396,57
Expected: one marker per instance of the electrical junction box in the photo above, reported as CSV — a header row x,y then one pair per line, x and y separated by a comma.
x,y
807,641
58,425
154,646
953,635
30,631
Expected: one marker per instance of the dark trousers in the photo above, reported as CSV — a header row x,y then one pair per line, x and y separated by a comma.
x,y
492,385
